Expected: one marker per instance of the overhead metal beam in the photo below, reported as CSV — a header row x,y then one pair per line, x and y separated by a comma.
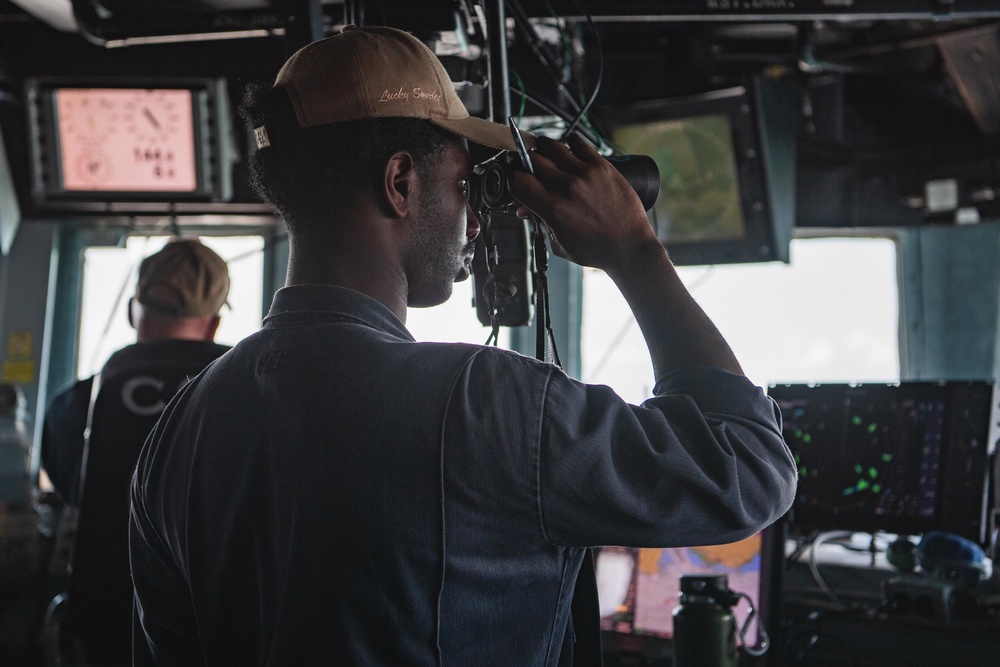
x,y
645,11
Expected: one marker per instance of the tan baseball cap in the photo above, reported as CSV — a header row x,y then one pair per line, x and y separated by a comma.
x,y
184,279
378,72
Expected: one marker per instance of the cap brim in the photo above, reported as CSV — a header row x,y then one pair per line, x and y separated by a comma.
x,y
485,132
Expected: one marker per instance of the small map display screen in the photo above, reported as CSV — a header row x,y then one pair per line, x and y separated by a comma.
x,y
700,196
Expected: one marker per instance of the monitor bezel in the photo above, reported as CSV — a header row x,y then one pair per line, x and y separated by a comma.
x,y
804,524
740,106
211,128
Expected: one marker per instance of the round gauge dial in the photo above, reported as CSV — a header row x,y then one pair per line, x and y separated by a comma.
x,y
126,139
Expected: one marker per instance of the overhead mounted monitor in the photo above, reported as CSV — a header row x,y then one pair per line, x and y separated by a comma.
x,y
128,140
10,210
726,173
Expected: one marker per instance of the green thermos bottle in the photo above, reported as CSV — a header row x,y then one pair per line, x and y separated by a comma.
x,y
704,624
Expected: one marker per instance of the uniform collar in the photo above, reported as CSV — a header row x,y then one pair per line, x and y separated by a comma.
x,y
326,303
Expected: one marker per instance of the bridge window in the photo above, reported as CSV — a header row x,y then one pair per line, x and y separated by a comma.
x,y
831,315
109,276
454,321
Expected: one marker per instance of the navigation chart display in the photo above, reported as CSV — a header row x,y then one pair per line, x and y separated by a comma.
x,y
638,588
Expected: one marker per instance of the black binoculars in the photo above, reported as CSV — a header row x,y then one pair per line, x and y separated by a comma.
x,y
488,190
502,266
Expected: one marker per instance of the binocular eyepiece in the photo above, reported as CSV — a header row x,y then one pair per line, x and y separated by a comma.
x,y
502,265
488,191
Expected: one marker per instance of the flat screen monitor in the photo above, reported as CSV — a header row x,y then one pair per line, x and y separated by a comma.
x,y
638,590
726,180
129,140
903,458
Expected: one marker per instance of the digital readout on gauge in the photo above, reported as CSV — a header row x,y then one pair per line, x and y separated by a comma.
x,y
126,139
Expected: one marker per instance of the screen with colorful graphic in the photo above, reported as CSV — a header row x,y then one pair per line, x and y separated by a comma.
x,y
639,589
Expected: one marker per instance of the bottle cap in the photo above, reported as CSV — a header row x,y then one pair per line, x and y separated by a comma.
x,y
706,587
